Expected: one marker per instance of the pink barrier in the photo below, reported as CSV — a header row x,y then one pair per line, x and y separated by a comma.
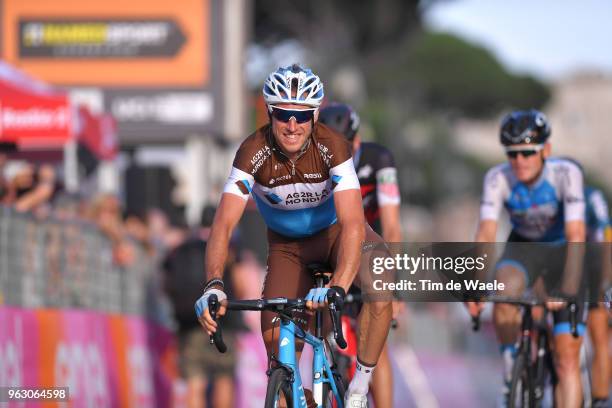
x,y
105,360
251,378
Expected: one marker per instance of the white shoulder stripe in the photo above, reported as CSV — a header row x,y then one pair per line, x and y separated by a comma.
x,y
344,176
239,183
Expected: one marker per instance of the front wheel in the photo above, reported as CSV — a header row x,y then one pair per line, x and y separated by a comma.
x,y
279,393
520,388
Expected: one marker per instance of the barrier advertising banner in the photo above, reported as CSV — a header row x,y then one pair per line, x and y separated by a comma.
x,y
104,360
148,43
159,65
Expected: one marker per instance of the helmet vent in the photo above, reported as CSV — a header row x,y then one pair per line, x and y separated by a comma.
x,y
294,88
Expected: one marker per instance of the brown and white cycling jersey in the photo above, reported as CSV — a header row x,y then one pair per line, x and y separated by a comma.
x,y
294,197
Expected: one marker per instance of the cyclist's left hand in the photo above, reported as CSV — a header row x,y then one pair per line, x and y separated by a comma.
x,y
316,298
202,312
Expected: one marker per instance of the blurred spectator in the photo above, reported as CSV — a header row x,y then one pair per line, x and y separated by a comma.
x,y
200,362
26,188
105,212
138,229
247,278
19,178
3,183
67,207
164,236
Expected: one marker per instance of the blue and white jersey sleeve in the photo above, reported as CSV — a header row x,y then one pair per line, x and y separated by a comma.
x,y
239,183
598,216
495,191
344,177
600,208
573,193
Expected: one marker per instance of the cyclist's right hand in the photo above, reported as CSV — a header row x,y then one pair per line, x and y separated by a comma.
x,y
474,307
202,312
316,298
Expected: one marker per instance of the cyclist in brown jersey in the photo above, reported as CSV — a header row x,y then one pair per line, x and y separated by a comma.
x,y
302,178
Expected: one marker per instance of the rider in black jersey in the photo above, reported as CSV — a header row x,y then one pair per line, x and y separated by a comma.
x,y
377,175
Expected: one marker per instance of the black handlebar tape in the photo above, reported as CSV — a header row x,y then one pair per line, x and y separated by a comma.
x,y
217,337
335,300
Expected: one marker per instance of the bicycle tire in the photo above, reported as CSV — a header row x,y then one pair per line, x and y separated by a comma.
x,y
543,371
328,394
520,393
585,377
279,385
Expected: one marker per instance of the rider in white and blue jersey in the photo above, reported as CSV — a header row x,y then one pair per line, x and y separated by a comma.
x,y
599,237
545,201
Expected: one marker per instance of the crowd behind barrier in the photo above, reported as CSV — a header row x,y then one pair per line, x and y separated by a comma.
x,y
81,305
58,263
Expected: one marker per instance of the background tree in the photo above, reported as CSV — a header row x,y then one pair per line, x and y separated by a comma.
x,y
407,83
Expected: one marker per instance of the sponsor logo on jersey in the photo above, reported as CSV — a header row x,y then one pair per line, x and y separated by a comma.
x,y
281,178
305,197
260,157
386,178
335,180
273,198
313,175
537,217
244,186
391,190
325,154
365,171
573,199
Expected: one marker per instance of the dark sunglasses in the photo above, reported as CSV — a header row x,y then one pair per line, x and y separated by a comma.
x,y
524,153
512,154
300,115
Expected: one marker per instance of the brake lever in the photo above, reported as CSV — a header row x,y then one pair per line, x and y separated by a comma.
x,y
217,337
335,310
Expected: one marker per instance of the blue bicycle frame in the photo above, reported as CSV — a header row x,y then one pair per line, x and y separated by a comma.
x,y
286,346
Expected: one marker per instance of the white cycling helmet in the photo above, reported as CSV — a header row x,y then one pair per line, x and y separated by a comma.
x,y
293,84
